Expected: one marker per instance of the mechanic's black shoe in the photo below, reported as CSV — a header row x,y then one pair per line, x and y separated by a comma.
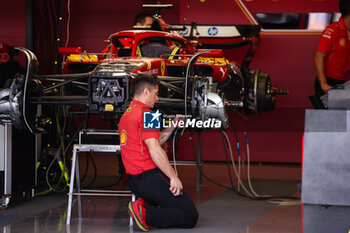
x,y
138,213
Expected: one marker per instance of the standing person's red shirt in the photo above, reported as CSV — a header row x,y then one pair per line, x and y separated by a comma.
x,y
135,154
335,42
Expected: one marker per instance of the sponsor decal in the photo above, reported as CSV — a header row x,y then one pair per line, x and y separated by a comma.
x,y
151,120
109,107
162,68
184,33
148,65
327,36
152,71
213,31
210,123
123,137
155,120
342,42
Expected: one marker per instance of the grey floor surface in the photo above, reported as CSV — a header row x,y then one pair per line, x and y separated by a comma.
x,y
20,210
226,212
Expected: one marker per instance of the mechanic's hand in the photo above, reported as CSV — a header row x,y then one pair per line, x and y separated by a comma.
x,y
325,87
175,186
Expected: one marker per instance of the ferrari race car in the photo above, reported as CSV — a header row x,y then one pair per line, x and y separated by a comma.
x,y
196,82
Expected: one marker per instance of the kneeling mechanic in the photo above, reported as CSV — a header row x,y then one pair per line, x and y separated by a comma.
x,y
162,202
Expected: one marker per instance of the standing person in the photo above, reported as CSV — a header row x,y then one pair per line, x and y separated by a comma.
x,y
150,175
143,19
332,59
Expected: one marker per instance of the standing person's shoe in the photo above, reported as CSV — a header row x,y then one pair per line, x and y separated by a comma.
x,y
138,213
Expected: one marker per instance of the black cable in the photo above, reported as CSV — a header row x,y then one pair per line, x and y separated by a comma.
x,y
86,169
237,140
56,186
43,25
70,142
51,27
64,159
234,130
87,117
54,12
95,171
201,171
74,137
227,159
239,154
229,188
95,176
38,51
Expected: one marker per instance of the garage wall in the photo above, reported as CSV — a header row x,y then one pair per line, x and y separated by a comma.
x,y
93,21
12,23
287,58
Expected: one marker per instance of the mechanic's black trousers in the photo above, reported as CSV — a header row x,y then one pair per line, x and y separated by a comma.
x,y
164,209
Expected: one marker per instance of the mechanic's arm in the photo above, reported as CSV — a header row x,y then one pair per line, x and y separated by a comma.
x,y
320,70
166,132
160,158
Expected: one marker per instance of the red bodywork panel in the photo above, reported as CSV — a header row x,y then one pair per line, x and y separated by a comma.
x,y
69,50
131,38
127,42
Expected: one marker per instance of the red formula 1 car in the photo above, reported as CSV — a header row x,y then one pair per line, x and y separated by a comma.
x,y
166,54
200,83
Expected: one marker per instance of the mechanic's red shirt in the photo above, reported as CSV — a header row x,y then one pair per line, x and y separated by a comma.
x,y
135,153
335,42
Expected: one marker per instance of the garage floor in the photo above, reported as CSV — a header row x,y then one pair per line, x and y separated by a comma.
x,y
220,210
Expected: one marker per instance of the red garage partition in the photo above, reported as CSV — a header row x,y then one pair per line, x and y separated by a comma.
x,y
287,56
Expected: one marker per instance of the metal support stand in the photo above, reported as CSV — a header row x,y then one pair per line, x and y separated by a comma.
x,y
199,162
38,146
6,164
75,179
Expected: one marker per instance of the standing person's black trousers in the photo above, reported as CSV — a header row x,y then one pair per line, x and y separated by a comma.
x,y
164,209
319,92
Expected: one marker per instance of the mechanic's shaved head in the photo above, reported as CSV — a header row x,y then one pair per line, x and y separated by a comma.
x,y
142,81
143,19
344,8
